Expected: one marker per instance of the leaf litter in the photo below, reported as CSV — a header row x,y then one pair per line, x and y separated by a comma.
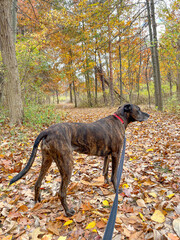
x,y
149,205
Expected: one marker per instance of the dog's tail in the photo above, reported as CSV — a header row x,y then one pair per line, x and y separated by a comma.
x,y
31,159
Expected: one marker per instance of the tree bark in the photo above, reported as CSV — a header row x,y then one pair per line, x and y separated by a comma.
x,y
147,82
74,90
12,86
152,53
102,79
178,70
120,57
57,96
95,73
110,65
70,92
155,44
14,18
72,78
169,78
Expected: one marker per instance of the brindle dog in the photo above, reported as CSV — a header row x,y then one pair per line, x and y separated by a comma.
x,y
101,138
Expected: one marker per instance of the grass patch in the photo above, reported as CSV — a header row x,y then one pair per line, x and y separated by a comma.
x,y
41,116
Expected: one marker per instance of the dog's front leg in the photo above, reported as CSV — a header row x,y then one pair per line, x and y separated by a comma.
x,y
115,163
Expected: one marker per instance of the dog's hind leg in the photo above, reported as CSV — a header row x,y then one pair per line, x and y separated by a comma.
x,y
46,163
65,166
105,169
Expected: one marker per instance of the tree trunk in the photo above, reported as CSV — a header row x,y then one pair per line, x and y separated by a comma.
x,y
110,65
178,70
74,90
120,57
102,80
14,18
70,92
120,73
57,96
152,53
12,82
139,74
147,82
155,43
129,74
88,88
95,73
169,78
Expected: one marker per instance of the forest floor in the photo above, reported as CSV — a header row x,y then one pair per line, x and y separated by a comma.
x,y
149,206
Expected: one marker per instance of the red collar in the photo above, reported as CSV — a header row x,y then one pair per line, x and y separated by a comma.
x,y
119,118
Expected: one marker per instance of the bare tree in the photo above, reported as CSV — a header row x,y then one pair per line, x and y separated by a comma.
x,y
154,54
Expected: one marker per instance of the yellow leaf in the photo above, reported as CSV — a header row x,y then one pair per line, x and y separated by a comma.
x,y
91,225
149,150
9,237
125,185
104,219
68,222
62,238
106,203
153,194
98,213
158,216
141,216
170,195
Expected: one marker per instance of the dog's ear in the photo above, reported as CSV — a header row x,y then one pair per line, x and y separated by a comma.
x,y
127,108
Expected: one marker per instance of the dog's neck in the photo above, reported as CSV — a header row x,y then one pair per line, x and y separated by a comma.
x,y
119,118
122,119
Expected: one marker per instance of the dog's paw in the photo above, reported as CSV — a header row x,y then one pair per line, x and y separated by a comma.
x,y
70,212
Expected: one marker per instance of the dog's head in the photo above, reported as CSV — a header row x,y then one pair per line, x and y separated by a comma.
x,y
132,113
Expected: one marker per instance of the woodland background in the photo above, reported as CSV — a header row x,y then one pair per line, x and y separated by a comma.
x,y
77,61
94,53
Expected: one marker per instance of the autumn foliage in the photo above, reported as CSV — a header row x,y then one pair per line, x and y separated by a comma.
x,y
60,43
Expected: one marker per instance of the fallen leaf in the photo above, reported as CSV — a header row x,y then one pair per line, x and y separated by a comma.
x,y
172,236
170,195
141,203
47,237
53,228
176,226
106,203
36,233
153,194
68,222
9,237
62,238
137,235
158,216
100,224
141,216
79,217
91,225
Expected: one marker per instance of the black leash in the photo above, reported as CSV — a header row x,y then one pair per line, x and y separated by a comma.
x,y
112,218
